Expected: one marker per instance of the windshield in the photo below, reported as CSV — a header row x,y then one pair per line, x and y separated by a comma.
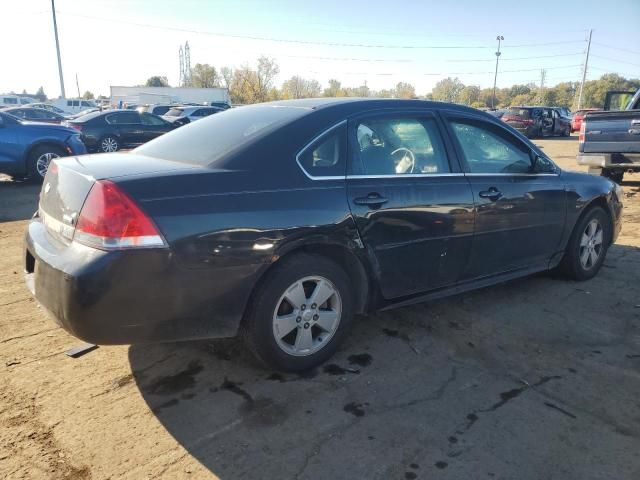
x,y
174,112
207,140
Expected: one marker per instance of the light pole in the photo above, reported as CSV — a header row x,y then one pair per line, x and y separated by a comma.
x,y
55,30
495,78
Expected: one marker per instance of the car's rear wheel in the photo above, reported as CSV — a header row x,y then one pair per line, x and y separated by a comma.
x,y
588,245
109,144
39,160
299,314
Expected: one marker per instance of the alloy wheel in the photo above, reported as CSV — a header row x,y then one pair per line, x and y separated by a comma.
x,y
307,315
591,244
109,144
43,161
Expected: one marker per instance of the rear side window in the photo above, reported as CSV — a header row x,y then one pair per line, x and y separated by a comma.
x,y
123,118
160,110
148,119
488,149
326,157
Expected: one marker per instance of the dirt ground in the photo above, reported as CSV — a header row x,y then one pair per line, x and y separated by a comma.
x,y
536,379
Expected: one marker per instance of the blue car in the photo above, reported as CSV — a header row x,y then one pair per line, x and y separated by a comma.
x,y
27,148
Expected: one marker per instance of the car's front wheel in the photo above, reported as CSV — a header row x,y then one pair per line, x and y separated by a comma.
x,y
588,245
109,144
299,314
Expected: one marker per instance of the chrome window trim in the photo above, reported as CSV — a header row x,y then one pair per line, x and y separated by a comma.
x,y
310,143
512,174
408,175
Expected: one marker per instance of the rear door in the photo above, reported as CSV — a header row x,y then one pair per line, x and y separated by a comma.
x,y
412,204
519,207
128,127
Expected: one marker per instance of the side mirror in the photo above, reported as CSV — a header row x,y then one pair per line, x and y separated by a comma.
x,y
540,164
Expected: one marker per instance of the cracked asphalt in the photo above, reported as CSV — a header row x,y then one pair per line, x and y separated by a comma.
x,y
534,379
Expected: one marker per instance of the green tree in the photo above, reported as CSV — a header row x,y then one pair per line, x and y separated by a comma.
x,y
447,90
469,95
88,95
40,95
405,90
334,89
157,81
298,87
204,75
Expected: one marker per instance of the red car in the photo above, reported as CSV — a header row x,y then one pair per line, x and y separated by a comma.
x,y
576,120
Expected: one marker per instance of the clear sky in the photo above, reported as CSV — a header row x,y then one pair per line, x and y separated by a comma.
x,y
123,42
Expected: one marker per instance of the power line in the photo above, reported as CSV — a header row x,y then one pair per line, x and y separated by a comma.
x,y
636,52
615,60
517,58
309,42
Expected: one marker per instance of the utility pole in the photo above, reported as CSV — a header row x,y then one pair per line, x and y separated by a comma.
x,y
584,71
78,85
55,30
495,78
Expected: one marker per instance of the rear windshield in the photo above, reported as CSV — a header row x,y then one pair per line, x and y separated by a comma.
x,y
207,140
86,117
174,112
520,112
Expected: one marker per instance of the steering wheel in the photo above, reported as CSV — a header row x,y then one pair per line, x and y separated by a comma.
x,y
407,163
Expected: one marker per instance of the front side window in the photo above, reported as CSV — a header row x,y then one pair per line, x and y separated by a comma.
x,y
488,149
399,146
326,156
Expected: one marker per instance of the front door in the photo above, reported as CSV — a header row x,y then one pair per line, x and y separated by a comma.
x,y
520,203
412,204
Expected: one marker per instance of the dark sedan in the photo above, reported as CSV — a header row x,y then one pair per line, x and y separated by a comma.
x,y
112,130
39,115
280,221
538,121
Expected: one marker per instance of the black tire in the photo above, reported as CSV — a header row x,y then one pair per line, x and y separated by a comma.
x,y
257,328
35,173
567,132
108,142
571,264
614,175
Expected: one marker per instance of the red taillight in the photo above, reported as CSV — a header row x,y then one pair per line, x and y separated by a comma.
x,y
583,129
110,219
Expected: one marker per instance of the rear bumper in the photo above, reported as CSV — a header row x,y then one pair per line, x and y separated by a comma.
x,y
608,160
136,296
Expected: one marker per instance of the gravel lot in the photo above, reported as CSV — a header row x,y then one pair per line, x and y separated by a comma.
x,y
536,379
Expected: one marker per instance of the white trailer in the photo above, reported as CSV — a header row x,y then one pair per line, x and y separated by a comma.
x,y
156,95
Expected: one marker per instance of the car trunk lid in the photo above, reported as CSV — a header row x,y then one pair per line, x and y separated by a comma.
x,y
69,181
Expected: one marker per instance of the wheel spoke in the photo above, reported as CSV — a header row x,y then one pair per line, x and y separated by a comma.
x,y
591,229
322,293
584,257
327,320
304,340
593,256
284,324
296,296
598,237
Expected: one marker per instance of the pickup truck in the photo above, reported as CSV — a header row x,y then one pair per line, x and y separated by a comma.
x,y
609,141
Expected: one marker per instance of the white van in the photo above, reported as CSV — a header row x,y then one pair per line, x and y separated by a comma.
x,y
15,100
73,105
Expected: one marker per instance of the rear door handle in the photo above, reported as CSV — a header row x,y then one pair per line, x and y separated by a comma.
x,y
372,200
492,194
634,131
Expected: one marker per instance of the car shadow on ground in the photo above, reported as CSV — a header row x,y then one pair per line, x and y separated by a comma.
x,y
402,397
18,200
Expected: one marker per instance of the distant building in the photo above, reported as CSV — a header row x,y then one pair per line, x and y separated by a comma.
x,y
153,95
